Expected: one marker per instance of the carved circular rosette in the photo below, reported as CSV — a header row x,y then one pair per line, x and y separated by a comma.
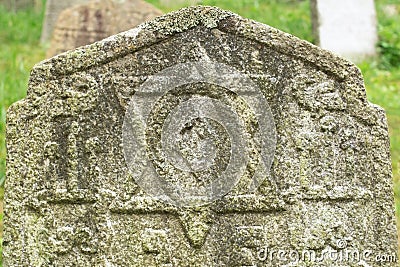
x,y
194,132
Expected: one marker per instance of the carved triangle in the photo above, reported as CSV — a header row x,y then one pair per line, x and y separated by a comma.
x,y
196,224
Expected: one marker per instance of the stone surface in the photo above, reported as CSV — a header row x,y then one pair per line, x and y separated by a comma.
x,y
53,10
84,24
348,29
110,151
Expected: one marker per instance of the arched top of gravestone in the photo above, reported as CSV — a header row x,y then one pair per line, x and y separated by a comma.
x,y
87,23
182,20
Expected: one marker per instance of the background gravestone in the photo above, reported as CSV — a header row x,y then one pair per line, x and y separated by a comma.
x,y
348,29
15,5
84,24
53,10
111,153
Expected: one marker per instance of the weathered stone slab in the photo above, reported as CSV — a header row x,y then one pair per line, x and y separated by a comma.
x,y
198,139
347,28
53,10
87,23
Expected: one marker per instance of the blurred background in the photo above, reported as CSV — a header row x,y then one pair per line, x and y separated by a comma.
x,y
21,47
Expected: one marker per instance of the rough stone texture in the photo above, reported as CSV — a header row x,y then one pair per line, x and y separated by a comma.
x,y
70,200
348,29
53,10
84,24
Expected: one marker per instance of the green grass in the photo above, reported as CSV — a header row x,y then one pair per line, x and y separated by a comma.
x,y
20,50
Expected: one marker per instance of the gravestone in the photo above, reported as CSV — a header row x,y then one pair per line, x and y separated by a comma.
x,y
348,29
198,139
87,23
15,5
53,10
